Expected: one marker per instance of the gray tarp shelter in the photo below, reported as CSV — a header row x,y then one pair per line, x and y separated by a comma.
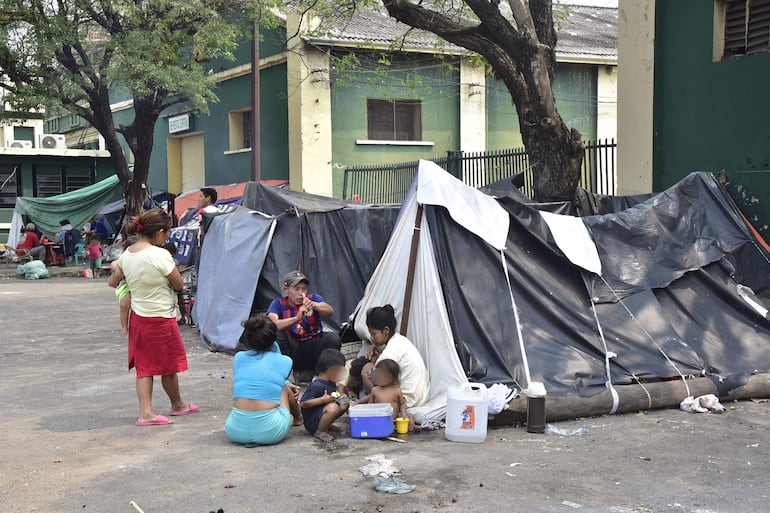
x,y
246,252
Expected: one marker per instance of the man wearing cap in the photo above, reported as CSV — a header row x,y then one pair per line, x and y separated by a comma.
x,y
31,242
297,316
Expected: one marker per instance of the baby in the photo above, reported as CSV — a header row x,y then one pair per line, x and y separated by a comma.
x,y
121,288
354,386
387,390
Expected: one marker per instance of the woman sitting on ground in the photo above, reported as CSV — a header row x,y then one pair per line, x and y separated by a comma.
x,y
263,399
388,344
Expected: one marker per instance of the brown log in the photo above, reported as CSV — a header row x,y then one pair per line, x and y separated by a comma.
x,y
664,394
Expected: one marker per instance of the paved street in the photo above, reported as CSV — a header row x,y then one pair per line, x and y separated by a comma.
x,y
68,442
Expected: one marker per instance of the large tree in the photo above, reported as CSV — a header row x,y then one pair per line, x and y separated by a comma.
x,y
75,55
518,41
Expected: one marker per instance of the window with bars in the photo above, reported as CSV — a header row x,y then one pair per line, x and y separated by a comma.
x,y
10,186
747,27
394,120
49,182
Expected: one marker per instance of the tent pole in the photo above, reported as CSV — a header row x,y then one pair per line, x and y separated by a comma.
x,y
410,271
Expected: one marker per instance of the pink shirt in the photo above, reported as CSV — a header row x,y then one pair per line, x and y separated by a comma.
x,y
94,251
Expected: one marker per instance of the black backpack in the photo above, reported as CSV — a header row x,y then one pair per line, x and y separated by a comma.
x,y
71,238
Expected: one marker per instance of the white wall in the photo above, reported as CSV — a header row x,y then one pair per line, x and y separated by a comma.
x,y
636,75
607,102
473,110
310,120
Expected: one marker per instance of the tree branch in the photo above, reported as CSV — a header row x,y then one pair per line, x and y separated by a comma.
x,y
523,18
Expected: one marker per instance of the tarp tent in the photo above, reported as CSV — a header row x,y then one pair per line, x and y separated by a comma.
x,y
659,289
245,254
77,206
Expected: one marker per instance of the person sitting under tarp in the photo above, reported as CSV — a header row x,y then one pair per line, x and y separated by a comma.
x,y
69,237
96,227
297,316
30,241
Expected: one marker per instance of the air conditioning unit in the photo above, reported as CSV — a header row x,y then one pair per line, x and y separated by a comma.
x,y
52,142
18,144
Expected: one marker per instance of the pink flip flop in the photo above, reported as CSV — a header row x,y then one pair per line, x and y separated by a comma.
x,y
160,420
191,408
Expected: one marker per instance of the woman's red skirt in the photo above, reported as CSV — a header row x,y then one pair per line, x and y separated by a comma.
x,y
155,346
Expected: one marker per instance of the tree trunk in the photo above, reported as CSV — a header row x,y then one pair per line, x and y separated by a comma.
x,y
522,55
555,156
631,398
139,136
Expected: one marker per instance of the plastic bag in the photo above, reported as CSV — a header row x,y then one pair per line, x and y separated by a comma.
x,y
391,485
33,270
550,428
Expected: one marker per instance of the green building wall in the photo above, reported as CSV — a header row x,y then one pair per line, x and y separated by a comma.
x,y
436,82
233,94
224,168
708,115
97,167
575,89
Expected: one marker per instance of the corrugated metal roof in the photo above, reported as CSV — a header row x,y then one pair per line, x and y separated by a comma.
x,y
591,33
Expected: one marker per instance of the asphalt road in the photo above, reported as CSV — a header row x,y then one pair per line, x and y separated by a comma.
x,y
68,443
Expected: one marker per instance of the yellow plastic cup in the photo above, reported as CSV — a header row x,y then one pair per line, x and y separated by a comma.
x,y
402,425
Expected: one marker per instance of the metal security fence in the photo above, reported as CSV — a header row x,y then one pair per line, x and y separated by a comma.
x,y
388,183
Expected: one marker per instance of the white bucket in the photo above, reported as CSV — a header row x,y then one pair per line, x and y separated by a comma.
x,y
466,413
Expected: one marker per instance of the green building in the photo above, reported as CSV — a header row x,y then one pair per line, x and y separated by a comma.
x,y
319,116
693,80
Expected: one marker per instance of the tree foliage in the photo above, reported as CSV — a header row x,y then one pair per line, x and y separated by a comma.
x,y
77,55
517,39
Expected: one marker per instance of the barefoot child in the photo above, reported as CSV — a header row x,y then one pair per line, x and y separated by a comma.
x,y
319,406
388,391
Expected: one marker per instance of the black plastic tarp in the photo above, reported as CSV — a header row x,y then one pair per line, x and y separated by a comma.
x,y
673,258
337,244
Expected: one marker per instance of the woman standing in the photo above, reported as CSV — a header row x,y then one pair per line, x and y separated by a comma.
x,y
389,345
155,346
264,401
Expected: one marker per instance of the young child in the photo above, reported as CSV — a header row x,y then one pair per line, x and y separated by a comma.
x,y
121,289
319,402
354,385
94,253
387,390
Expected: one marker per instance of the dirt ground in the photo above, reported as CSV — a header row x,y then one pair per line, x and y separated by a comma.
x,y
68,442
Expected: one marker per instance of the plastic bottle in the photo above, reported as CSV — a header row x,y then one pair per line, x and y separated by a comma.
x,y
466,413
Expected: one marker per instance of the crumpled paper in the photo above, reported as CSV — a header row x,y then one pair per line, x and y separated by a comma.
x,y
702,404
380,466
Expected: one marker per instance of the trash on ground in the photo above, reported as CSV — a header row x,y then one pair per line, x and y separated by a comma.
x,y
499,396
702,404
33,270
431,425
391,485
572,504
379,466
550,428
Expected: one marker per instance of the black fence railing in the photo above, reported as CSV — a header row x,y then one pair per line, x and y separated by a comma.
x,y
388,183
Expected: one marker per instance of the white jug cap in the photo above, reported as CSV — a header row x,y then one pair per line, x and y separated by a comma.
x,y
536,389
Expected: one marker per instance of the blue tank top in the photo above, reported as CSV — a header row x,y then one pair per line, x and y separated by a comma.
x,y
260,375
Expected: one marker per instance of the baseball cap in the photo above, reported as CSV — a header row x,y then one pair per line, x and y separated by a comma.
x,y
294,278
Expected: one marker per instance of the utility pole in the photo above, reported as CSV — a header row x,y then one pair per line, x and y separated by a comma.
x,y
255,147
